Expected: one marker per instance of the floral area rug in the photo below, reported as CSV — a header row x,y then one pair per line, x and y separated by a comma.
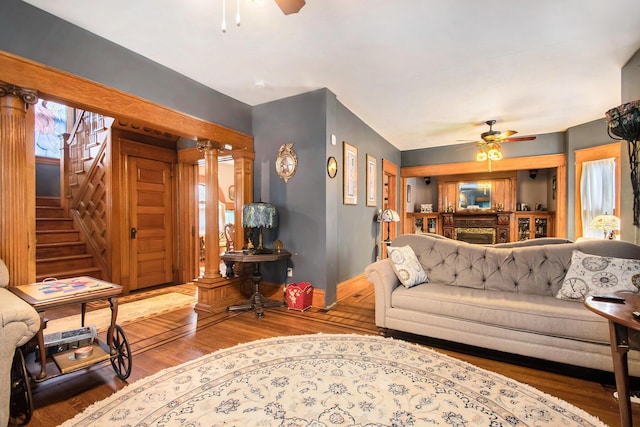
x,y
330,380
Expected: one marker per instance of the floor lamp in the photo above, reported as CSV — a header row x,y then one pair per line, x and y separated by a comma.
x,y
389,216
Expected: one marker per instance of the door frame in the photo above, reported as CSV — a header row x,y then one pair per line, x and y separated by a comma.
x,y
390,172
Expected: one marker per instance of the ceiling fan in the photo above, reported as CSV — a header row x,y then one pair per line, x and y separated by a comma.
x,y
286,6
490,148
290,6
498,136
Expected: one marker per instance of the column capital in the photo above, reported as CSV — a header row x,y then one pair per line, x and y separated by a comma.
x,y
28,96
207,144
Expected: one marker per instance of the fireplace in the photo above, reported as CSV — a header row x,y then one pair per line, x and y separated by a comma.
x,y
485,228
477,235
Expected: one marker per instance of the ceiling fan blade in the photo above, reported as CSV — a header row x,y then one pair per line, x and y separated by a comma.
x,y
522,138
290,6
506,134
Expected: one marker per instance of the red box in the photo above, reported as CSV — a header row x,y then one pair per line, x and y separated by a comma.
x,y
299,295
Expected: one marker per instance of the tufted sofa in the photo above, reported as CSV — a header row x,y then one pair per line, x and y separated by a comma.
x,y
499,297
19,322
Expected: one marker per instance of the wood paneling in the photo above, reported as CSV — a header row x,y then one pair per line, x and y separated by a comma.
x,y
81,93
500,169
17,186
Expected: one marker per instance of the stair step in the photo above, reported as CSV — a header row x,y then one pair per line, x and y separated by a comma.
x,y
48,201
58,249
60,253
91,272
49,212
64,262
56,236
44,224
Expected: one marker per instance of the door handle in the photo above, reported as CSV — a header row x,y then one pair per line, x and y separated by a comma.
x,y
133,232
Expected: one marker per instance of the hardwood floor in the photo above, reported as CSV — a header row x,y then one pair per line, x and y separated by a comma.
x,y
172,338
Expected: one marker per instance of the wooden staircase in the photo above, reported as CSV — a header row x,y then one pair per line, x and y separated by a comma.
x,y
60,253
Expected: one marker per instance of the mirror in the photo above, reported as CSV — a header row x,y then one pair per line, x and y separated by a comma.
x,y
474,195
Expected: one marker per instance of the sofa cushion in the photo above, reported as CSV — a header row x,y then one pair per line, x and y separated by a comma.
x,y
593,275
406,266
4,274
516,311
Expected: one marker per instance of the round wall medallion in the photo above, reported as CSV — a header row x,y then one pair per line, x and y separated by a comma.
x,y
332,167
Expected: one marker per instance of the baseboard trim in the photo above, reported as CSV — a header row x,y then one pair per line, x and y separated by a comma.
x,y
343,290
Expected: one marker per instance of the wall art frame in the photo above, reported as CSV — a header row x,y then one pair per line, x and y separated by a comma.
x,y
350,184
372,179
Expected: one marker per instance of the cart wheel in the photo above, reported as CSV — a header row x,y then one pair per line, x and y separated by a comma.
x,y
121,361
21,400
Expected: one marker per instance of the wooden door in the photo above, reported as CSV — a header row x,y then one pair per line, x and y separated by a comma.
x,y
150,219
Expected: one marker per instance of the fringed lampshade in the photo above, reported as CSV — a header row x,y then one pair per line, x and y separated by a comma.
x,y
259,215
623,122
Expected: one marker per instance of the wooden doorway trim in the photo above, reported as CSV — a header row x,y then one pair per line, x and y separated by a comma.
x,y
78,92
390,172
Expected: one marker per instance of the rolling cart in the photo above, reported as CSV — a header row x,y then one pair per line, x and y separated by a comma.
x,y
54,294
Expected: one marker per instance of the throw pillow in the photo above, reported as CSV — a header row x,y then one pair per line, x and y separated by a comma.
x,y
596,275
406,265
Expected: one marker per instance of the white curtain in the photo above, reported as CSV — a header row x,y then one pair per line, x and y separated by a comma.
x,y
597,193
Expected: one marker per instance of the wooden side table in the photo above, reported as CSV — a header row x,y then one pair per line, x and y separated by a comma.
x,y
42,297
257,302
624,333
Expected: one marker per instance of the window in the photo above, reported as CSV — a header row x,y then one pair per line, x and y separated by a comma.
x,y
597,192
583,157
50,126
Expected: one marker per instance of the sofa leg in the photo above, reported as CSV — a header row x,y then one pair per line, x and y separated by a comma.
x,y
383,332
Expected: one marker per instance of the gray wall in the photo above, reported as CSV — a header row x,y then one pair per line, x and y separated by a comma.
x,y
48,182
358,232
301,201
550,143
32,33
631,79
331,242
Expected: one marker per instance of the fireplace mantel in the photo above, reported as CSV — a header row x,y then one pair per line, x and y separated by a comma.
x,y
477,226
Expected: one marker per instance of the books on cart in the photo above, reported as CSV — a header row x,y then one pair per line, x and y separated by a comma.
x,y
69,336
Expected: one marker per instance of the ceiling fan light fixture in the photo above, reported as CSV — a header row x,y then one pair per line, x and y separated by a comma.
x,y
481,155
494,154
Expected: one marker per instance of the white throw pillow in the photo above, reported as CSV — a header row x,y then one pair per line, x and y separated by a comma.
x,y
596,275
406,265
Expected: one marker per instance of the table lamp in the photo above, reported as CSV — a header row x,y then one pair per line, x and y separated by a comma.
x,y
259,215
609,224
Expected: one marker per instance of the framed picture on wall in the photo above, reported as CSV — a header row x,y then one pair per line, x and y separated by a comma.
x,y
372,167
350,184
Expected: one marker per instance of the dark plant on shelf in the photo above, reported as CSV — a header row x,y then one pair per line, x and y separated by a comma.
x,y
623,123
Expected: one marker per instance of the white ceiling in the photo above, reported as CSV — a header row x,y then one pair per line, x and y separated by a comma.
x,y
421,73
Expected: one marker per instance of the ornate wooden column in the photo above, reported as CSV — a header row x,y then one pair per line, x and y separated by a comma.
x,y
211,209
216,293
243,181
17,183
213,294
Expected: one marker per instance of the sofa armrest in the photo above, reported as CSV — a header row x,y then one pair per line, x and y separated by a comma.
x,y
19,321
384,280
